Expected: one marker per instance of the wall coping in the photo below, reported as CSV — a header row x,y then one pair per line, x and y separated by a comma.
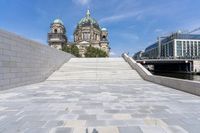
x,y
192,87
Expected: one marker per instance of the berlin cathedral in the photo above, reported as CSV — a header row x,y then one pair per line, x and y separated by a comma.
x,y
88,32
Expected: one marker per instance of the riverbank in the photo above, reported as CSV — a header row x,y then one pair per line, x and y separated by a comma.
x,y
187,76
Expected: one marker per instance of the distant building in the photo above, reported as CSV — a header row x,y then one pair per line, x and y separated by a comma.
x,y
138,55
88,32
57,36
151,51
177,45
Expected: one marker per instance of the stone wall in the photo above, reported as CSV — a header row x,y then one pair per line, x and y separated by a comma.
x,y
188,86
196,65
23,61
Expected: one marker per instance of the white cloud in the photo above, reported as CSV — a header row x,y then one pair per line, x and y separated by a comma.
x,y
158,30
82,2
129,35
120,17
113,54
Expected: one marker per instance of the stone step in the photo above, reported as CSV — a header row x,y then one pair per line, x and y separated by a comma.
x,y
101,69
97,60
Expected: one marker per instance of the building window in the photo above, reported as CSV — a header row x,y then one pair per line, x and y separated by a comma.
x,y
199,48
195,49
95,36
162,50
86,36
55,31
192,48
188,54
179,48
184,49
171,49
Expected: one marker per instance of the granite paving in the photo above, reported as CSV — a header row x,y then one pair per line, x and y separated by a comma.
x,y
99,95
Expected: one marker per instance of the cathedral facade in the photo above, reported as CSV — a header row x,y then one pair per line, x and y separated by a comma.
x,y
87,33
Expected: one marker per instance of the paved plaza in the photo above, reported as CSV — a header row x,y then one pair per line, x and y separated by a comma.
x,y
101,95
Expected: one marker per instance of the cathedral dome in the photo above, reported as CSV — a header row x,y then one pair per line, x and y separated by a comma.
x,y
58,21
88,20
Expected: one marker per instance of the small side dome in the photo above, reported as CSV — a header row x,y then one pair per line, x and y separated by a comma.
x,y
104,29
58,21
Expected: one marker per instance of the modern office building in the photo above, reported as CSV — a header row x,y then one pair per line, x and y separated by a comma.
x,y
177,45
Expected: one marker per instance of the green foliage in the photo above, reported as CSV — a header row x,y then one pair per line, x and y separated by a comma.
x,y
95,52
73,49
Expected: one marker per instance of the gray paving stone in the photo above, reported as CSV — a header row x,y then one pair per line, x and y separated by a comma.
x,y
98,93
117,123
37,130
96,123
61,130
51,124
87,117
177,129
68,117
130,130
153,129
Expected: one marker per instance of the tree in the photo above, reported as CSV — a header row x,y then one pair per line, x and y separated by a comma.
x,y
75,50
72,49
95,52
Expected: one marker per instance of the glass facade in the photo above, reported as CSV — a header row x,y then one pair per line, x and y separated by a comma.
x,y
184,48
175,46
188,49
167,50
179,48
199,48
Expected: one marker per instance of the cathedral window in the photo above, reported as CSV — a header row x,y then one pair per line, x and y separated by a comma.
x,y
55,31
95,37
103,38
86,36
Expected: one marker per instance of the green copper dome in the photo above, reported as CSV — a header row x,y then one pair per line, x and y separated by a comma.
x,y
88,20
58,21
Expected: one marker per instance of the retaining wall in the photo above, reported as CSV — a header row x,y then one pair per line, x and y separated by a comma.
x,y
192,87
23,61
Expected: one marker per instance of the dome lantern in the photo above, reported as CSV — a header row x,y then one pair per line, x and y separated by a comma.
x,y
88,13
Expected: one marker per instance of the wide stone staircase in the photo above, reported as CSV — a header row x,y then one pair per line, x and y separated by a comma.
x,y
95,70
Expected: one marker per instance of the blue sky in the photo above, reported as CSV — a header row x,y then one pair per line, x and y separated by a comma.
x,y
132,24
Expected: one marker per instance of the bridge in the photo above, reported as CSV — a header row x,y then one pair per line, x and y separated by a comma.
x,y
178,65
91,95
